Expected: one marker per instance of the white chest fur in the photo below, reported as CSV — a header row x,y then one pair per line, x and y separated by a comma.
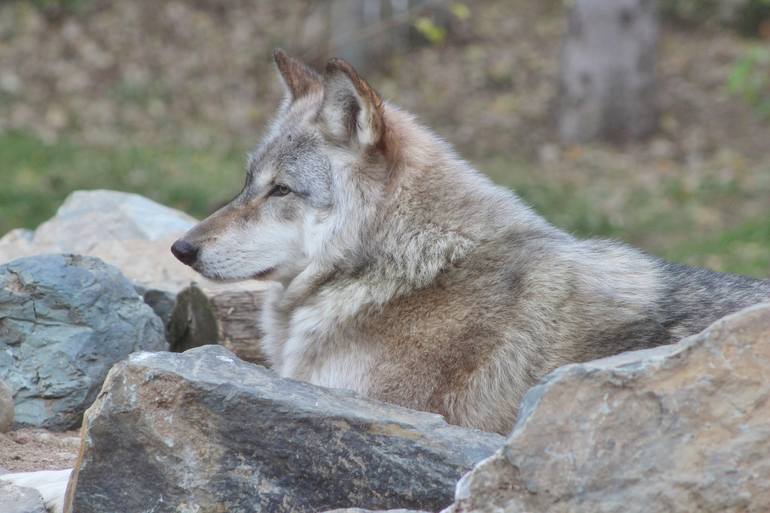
x,y
308,344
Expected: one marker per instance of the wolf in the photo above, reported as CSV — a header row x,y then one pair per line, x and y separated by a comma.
x,y
401,273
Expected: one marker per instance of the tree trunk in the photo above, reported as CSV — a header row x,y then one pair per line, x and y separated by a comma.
x,y
357,33
213,316
364,32
607,83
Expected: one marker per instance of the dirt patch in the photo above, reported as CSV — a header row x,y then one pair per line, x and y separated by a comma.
x,y
30,449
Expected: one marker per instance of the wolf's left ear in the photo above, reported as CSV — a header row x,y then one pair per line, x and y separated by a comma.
x,y
352,110
298,78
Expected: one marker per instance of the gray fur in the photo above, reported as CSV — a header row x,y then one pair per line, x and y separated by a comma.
x,y
412,278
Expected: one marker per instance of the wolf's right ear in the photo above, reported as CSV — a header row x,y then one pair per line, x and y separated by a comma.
x,y
298,79
352,110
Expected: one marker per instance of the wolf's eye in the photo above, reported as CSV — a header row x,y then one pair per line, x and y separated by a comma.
x,y
279,190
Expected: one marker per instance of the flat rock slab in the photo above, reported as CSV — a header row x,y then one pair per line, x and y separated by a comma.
x,y
64,321
678,428
203,431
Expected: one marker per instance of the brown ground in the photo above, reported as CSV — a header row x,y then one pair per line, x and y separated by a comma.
x,y
200,73
30,449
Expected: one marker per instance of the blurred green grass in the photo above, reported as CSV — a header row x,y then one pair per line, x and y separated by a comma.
x,y
37,176
664,219
701,218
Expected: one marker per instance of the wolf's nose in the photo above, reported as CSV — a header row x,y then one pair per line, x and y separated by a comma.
x,y
185,252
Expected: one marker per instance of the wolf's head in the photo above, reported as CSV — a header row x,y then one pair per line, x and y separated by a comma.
x,y
313,177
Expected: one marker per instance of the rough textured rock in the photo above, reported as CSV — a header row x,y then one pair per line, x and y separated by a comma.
x,y
203,428
134,234
126,230
6,407
678,428
64,321
119,216
17,499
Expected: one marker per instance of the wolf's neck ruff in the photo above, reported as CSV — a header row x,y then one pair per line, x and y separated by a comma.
x,y
404,237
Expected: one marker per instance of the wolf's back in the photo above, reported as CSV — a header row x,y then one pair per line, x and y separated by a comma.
x,y
607,298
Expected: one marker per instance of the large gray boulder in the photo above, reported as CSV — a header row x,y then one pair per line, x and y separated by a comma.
x,y
204,431
118,216
129,231
64,321
678,428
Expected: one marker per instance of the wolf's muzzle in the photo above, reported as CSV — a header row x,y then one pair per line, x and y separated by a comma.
x,y
185,252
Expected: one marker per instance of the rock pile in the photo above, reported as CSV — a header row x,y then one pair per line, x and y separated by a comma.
x,y
677,428
134,234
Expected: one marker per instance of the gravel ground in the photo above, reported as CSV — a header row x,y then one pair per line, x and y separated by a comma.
x,y
30,449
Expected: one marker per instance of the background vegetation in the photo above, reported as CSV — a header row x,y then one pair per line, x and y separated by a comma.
x,y
164,99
